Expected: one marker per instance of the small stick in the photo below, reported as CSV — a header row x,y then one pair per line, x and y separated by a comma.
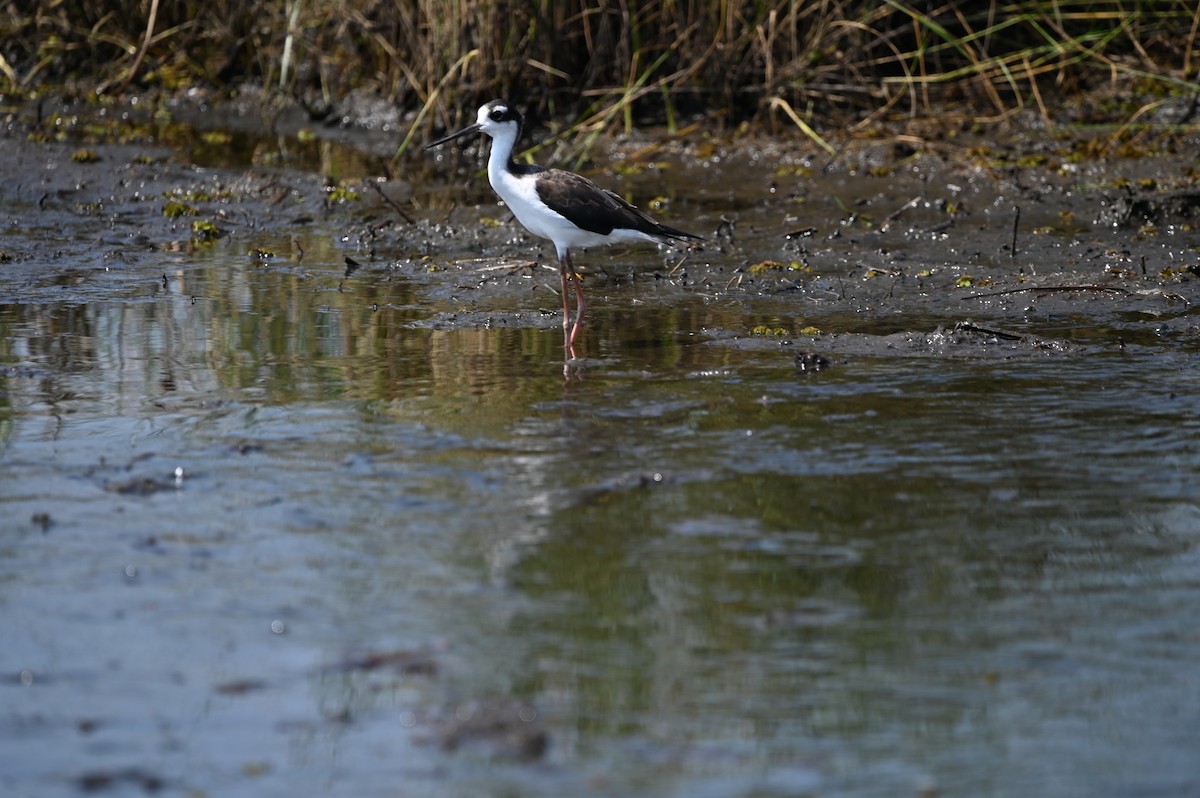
x,y
967,326
1012,252
403,213
894,215
1049,288
510,266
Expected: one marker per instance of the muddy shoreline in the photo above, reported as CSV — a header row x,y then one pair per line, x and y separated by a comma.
x,y
871,252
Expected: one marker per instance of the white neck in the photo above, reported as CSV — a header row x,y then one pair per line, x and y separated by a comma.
x,y
503,182
502,149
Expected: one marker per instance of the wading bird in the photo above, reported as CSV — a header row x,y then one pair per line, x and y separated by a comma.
x,y
562,206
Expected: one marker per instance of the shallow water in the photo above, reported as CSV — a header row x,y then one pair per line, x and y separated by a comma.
x,y
278,530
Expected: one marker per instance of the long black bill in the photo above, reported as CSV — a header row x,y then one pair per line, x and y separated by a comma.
x,y
466,131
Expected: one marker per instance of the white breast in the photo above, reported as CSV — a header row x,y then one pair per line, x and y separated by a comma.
x,y
519,192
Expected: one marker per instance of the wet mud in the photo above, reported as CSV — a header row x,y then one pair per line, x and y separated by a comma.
x,y
841,253
844,260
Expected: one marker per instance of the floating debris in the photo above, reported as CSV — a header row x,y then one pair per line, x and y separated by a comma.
x,y
809,362
501,728
406,661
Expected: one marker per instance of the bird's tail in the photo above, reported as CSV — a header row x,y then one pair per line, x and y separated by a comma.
x,y
678,235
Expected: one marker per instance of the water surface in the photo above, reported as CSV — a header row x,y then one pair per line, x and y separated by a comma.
x,y
273,529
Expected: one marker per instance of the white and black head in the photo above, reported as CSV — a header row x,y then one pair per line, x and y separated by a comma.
x,y
497,119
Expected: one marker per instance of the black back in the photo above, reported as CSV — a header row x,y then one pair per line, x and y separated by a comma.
x,y
591,208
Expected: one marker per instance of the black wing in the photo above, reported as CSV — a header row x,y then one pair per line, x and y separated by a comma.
x,y
587,206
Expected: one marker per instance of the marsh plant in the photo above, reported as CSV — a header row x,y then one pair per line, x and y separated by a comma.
x,y
604,64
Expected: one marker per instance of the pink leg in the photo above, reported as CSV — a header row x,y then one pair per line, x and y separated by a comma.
x,y
566,294
567,269
580,306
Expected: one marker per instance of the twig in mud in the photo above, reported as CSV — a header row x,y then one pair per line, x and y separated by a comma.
x,y
403,213
1168,295
894,215
737,278
1050,288
873,271
511,267
1012,252
966,326
675,268
813,290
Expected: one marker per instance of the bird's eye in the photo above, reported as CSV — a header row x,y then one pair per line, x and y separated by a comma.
x,y
497,114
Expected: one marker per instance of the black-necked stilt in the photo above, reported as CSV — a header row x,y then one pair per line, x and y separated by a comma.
x,y
562,206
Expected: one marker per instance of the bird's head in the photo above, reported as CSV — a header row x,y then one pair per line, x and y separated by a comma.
x,y
497,119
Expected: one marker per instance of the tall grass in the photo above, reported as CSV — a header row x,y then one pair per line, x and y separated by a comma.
x,y
602,64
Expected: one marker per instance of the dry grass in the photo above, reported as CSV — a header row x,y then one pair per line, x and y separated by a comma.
x,y
605,63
